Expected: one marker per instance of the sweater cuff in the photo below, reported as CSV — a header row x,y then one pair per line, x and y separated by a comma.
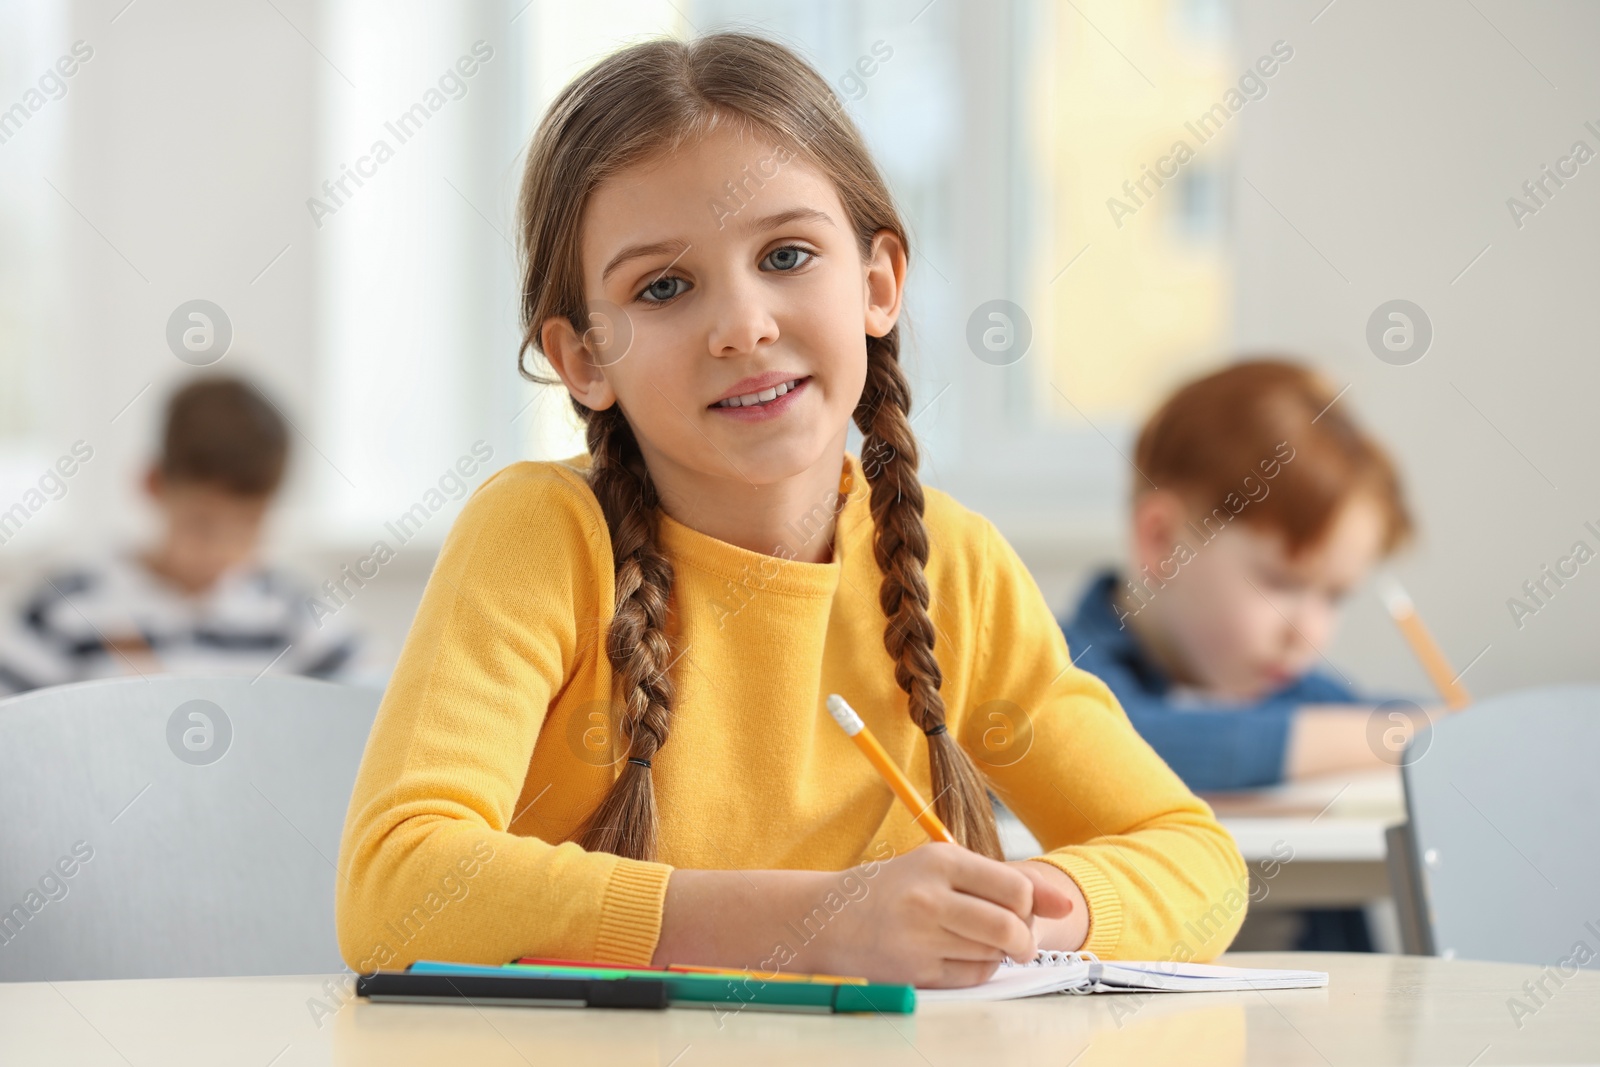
x,y
1105,906
630,914
1264,747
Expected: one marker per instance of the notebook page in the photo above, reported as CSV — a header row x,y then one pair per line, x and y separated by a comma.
x,y
1198,977
1074,972
1014,980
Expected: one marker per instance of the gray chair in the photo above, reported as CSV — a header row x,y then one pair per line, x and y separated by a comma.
x,y
175,826
1500,858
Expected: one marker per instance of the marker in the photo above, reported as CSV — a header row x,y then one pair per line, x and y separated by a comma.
x,y
692,968
734,972
638,988
1398,601
851,724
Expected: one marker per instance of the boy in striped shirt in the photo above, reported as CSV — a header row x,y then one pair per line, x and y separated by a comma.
x,y
198,601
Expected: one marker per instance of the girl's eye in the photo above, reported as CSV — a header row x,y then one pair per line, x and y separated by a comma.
x,y
661,290
787,258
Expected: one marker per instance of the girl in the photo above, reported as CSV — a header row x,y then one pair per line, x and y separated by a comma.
x,y
606,738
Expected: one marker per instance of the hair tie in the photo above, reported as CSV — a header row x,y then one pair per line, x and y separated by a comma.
x,y
935,731
637,762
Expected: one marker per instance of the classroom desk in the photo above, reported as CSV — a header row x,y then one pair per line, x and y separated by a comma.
x,y
1337,864
1312,843
1330,829
1376,1010
1333,862
1330,863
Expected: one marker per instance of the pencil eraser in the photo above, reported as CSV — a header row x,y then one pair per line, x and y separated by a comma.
x,y
1395,598
844,715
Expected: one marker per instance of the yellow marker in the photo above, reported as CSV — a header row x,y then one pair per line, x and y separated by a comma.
x,y
1422,643
735,972
851,723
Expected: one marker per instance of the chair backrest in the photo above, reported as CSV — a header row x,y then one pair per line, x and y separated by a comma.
x,y
1504,832
175,827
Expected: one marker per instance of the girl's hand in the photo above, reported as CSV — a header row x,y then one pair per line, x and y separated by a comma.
x,y
938,916
1067,931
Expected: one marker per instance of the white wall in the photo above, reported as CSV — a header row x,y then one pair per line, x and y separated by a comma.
x,y
1391,142
186,152
189,145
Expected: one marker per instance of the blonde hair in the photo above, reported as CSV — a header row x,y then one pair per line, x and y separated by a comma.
x,y
642,101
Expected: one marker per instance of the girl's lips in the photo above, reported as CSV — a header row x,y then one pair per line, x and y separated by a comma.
x,y
770,410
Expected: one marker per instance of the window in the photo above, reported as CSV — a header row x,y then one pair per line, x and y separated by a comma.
x,y
413,238
1138,203
31,131
1003,132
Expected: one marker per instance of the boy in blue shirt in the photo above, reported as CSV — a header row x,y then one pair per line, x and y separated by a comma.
x,y
1258,506
1214,746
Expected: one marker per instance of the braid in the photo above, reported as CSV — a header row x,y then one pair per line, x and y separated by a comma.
x,y
638,104
636,643
901,548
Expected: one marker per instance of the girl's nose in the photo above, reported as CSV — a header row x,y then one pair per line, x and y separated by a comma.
x,y
742,323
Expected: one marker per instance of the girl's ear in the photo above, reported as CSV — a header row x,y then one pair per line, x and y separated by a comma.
x,y
885,277
575,365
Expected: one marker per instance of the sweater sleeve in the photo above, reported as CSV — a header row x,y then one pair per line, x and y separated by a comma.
x,y
1218,746
327,647
33,651
427,867
1162,878
1214,750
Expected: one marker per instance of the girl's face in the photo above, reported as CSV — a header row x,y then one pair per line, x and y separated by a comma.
x,y
729,306
1247,618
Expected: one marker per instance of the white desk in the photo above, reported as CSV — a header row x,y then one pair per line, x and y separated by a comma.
x,y
1331,831
1337,863
1317,843
1376,1010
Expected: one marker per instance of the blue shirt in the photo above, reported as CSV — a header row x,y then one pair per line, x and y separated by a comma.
x,y
1213,747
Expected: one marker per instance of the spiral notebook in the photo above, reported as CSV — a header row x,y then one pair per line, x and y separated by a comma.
x,y
1084,972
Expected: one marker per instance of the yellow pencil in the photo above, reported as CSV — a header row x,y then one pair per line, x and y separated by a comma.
x,y
1405,616
851,724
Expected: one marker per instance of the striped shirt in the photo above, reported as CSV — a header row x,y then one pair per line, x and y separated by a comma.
x,y
115,617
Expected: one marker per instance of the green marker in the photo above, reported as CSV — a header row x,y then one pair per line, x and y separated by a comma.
x,y
730,993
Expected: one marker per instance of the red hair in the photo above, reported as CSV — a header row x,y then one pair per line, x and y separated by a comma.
x,y
1266,440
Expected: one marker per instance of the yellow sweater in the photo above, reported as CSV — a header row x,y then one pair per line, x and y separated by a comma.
x,y
491,746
